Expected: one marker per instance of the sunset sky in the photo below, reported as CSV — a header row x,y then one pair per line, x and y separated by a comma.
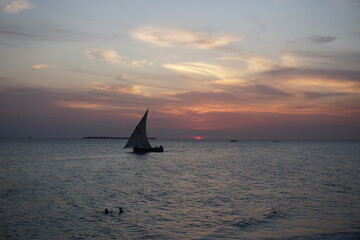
x,y
213,69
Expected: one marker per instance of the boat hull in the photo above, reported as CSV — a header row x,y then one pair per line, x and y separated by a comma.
x,y
151,149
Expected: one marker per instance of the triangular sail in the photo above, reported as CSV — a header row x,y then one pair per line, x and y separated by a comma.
x,y
139,138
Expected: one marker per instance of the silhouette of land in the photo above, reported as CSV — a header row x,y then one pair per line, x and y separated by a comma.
x,y
106,137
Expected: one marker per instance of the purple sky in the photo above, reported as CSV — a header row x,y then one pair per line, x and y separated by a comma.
x,y
262,69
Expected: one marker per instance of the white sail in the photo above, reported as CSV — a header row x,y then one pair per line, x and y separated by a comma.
x,y
138,138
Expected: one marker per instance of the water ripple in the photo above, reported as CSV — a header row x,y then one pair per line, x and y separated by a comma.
x,y
58,189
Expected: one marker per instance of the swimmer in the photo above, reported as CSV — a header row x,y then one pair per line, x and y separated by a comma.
x,y
106,211
120,210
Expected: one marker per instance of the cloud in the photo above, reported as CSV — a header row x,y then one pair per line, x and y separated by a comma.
x,y
45,31
246,98
41,66
107,55
172,37
8,30
134,89
289,60
329,60
322,86
322,39
265,90
200,68
111,56
267,85
252,63
191,98
215,74
87,105
15,6
140,63
104,107
353,56
47,112
257,21
290,73
121,77
317,95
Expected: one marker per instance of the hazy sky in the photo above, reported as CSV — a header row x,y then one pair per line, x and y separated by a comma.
x,y
255,69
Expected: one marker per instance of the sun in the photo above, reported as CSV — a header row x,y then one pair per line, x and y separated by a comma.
x,y
198,137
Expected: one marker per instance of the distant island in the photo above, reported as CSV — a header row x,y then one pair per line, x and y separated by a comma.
x,y
105,137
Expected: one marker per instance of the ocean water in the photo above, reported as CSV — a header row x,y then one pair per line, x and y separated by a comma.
x,y
59,188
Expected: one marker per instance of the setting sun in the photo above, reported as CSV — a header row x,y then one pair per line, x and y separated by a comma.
x,y
198,137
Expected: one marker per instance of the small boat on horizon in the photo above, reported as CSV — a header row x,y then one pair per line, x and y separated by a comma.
x,y
234,140
138,139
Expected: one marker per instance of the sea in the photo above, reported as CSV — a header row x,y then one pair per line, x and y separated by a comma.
x,y
195,189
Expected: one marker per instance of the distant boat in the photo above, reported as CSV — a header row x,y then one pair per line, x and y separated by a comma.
x,y
233,140
138,139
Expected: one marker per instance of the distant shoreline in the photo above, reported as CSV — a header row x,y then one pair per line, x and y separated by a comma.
x,y
105,137
186,139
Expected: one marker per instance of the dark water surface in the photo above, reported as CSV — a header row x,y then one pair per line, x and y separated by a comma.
x,y
58,189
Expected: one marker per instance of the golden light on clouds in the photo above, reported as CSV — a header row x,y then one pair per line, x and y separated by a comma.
x,y
107,55
216,74
172,37
140,63
322,85
201,68
87,105
15,6
227,81
41,66
135,89
260,64
205,68
252,63
289,60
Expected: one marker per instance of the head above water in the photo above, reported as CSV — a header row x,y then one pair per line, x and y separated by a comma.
x,y
120,210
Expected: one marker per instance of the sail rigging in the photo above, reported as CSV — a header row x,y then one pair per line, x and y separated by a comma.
x,y
139,138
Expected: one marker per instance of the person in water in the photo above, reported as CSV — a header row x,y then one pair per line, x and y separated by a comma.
x,y
120,210
107,211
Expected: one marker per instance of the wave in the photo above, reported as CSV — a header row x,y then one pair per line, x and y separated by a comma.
x,y
249,223
265,217
274,213
332,236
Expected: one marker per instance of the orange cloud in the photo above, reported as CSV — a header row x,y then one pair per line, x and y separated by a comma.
x,y
322,85
170,37
216,74
113,57
204,113
87,105
140,63
15,6
107,55
249,64
41,66
134,89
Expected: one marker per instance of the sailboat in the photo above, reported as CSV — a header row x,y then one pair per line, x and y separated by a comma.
x,y
138,139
